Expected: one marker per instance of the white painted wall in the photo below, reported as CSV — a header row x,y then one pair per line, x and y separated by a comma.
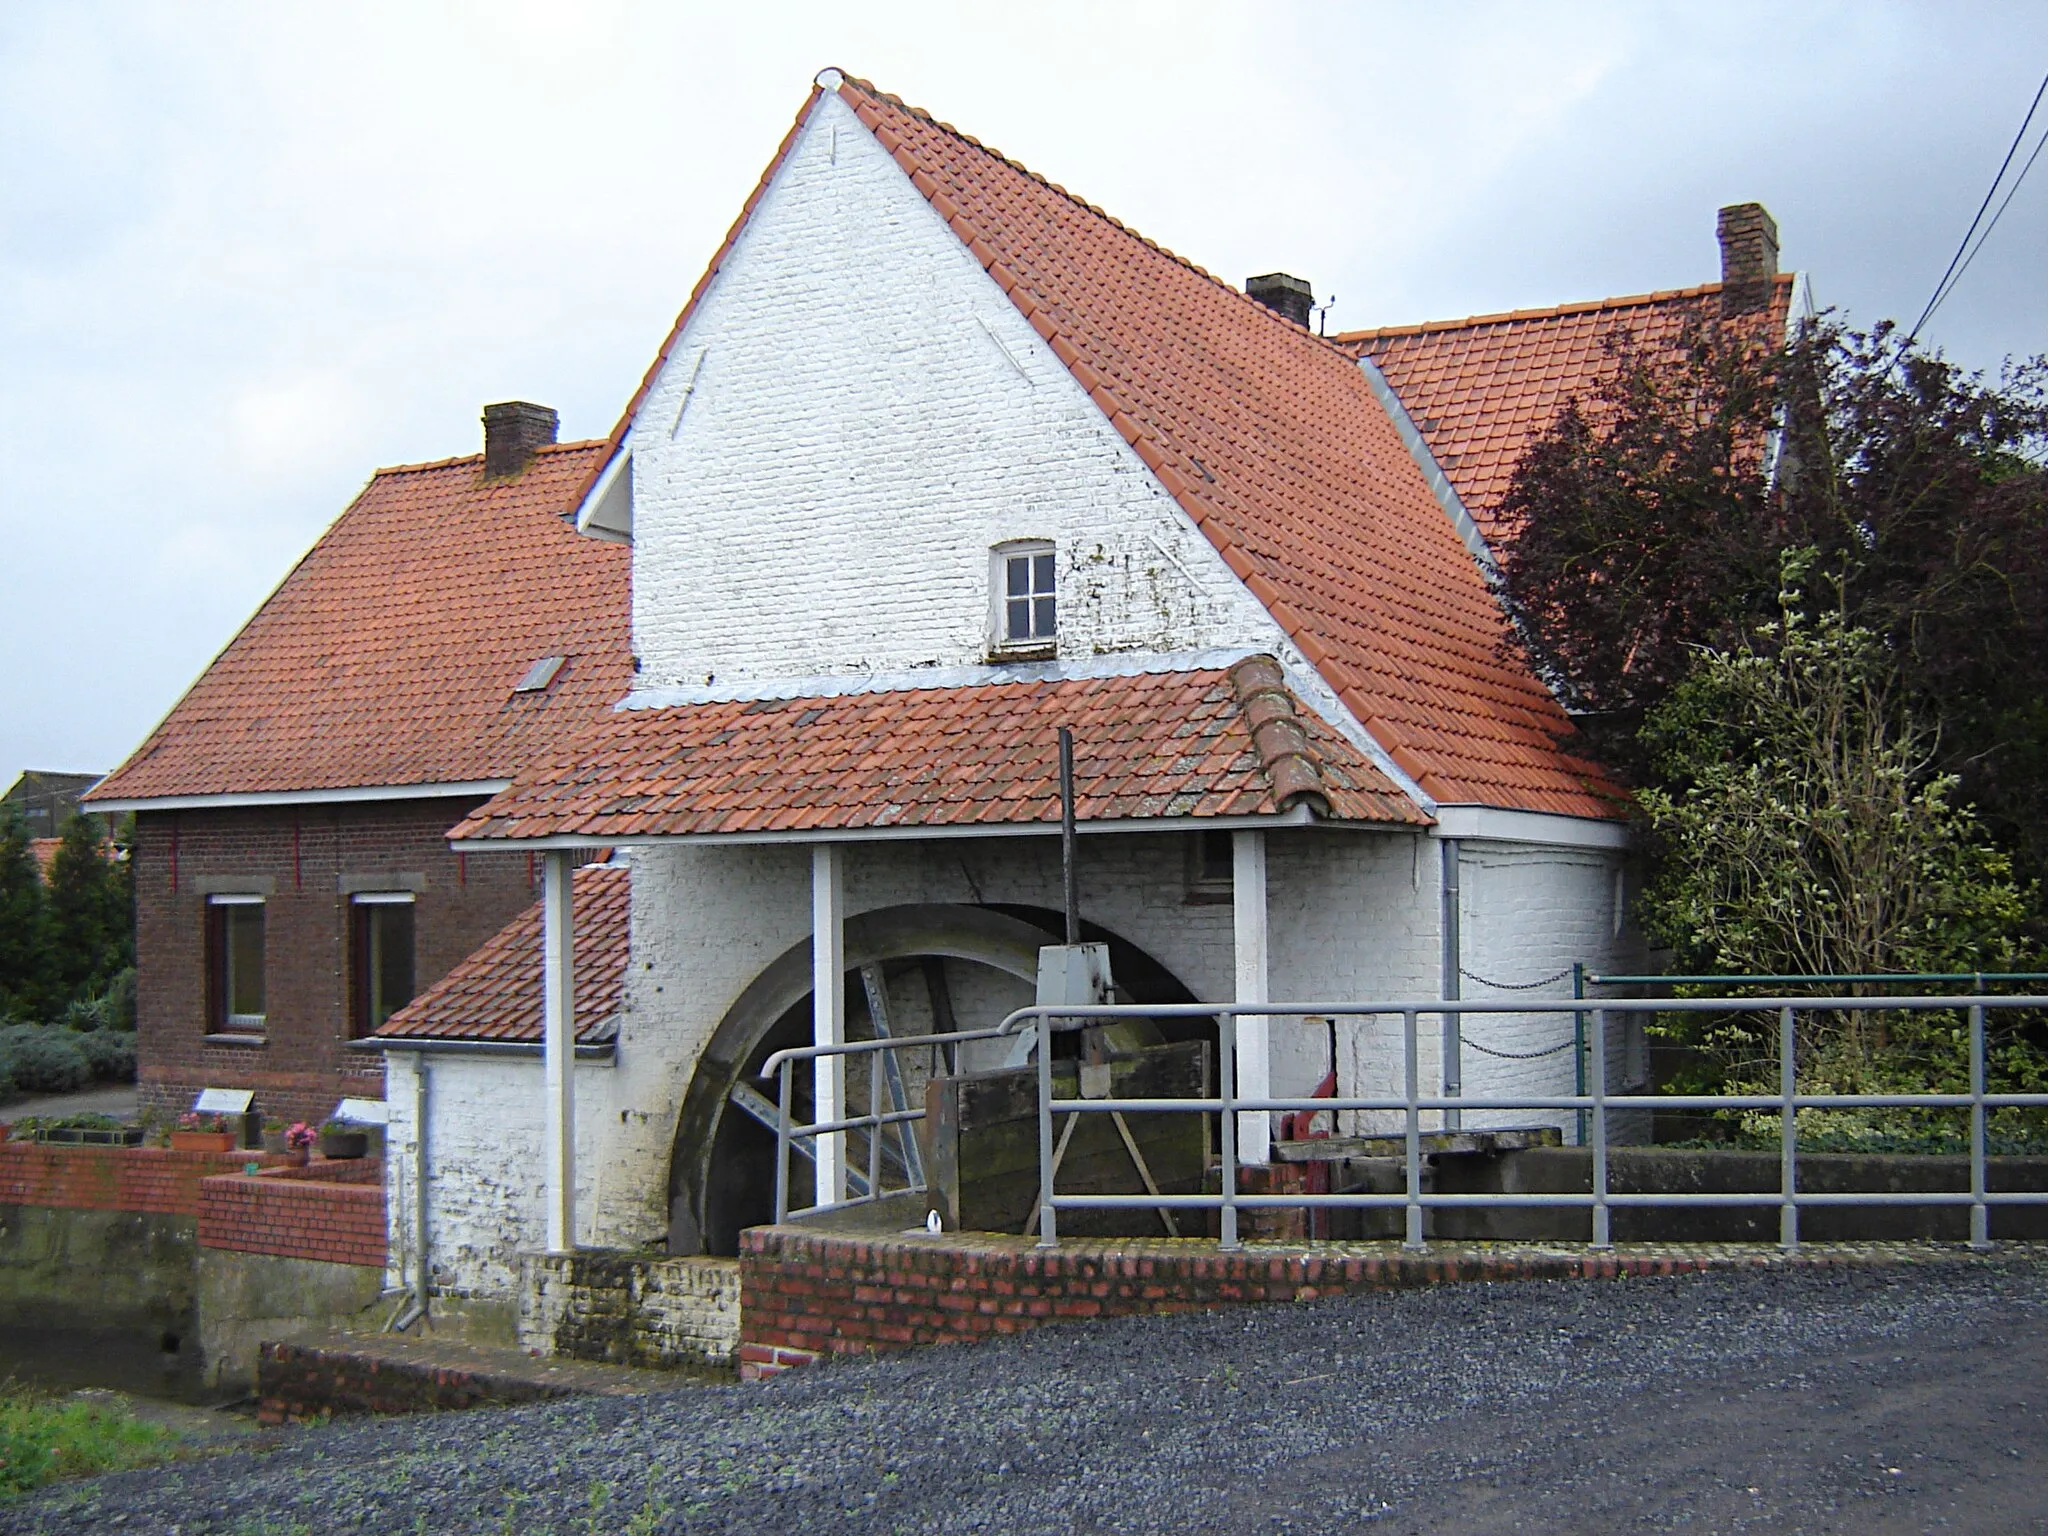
x,y
867,415
486,1158
1528,913
1346,916
855,416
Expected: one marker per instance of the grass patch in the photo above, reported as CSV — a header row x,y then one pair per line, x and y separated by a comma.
x,y
43,1439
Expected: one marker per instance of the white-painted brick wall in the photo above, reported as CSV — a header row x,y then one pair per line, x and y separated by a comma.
x,y
485,1127
1529,913
1352,916
867,416
855,416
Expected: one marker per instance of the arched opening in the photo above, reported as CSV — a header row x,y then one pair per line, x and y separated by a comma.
x,y
940,968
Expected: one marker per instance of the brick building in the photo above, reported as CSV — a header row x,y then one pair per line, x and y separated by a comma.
x,y
293,881
936,460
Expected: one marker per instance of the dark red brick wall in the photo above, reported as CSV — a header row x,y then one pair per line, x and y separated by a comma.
x,y
152,1179
333,1212
805,1294
303,1066
301,1381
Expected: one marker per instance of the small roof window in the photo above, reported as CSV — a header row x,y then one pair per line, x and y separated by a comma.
x,y
539,675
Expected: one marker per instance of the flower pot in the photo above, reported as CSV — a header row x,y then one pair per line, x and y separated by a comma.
x,y
202,1141
297,1157
273,1141
341,1144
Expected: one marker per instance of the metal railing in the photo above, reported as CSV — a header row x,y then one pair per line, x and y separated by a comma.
x,y
781,1067
1412,1104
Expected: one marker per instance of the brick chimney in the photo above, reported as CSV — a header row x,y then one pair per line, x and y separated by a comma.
x,y
1288,297
1749,257
512,430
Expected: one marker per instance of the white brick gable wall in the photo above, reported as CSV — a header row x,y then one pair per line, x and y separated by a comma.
x,y
853,418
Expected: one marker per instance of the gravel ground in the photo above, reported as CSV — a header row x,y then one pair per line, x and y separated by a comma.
x,y
1911,1398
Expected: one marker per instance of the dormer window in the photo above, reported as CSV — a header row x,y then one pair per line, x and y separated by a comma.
x,y
1027,616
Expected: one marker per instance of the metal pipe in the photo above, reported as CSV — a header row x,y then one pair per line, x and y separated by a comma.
x,y
1579,1049
1070,872
1788,1131
1559,1200
1412,1079
1226,1083
1975,977
1980,1214
1602,1234
1048,1221
422,1269
1451,986
782,1145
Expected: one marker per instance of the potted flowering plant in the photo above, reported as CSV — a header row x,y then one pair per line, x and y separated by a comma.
x,y
298,1142
339,1139
202,1133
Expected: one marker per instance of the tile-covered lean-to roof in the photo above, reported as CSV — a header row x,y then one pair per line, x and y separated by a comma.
x,y
1481,389
1203,743
494,994
389,656
1273,442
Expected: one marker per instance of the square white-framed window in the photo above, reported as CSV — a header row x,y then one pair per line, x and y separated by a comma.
x,y
1025,582
235,962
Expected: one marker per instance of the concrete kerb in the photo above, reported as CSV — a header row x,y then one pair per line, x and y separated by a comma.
x,y
805,1294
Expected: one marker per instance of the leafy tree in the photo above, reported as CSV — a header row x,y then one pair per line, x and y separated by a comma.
x,y
23,921
91,928
1651,520
1801,827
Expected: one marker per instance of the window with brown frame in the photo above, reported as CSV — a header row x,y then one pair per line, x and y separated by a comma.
x,y
234,964
381,957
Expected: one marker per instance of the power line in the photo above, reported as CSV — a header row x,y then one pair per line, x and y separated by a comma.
x,y
1942,288
1942,297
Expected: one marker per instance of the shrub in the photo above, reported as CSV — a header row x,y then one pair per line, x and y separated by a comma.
x,y
112,1008
43,1060
110,1053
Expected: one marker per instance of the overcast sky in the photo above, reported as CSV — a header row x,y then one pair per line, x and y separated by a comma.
x,y
250,252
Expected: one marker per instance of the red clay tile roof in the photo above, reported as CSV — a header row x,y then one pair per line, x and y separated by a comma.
x,y
1172,744
494,994
44,851
1273,442
389,655
1480,389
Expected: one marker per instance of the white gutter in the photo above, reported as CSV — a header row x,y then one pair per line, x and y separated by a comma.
x,y
1486,824
1300,816
602,1050
263,797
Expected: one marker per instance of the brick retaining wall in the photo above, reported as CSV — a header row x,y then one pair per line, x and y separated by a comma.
x,y
302,1381
332,1211
807,1293
152,1180
329,1211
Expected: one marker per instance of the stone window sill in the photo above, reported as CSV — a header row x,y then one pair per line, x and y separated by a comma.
x,y
237,1039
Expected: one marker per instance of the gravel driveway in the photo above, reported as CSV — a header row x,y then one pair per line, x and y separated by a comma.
x,y
1911,1398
